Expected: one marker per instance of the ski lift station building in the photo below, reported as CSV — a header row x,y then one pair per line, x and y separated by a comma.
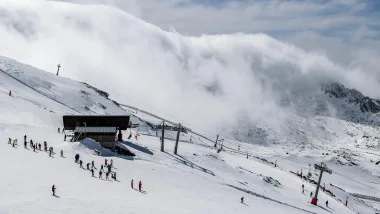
x,y
105,129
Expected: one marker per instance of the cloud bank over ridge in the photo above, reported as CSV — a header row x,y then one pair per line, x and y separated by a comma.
x,y
207,80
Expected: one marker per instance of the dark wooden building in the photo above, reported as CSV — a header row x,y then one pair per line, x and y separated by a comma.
x,y
102,128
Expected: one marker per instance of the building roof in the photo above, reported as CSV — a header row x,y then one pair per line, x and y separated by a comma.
x,y
70,122
96,129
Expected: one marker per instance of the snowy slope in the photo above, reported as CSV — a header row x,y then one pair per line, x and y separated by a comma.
x,y
198,180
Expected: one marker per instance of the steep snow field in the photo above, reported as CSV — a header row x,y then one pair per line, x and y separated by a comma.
x,y
198,180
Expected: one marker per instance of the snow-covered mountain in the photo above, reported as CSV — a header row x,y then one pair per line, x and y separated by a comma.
x,y
264,97
201,180
247,86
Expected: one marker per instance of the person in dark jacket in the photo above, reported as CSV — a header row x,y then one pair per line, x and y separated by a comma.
x,y
80,164
88,166
92,172
39,146
140,185
242,199
100,174
25,145
53,189
76,158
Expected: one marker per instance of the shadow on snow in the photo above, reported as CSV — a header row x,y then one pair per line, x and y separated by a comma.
x,y
137,147
186,162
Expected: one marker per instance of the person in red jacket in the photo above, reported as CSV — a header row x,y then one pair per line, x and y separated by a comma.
x,y
140,185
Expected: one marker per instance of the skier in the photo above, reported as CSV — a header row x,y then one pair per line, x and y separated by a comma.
x,y
132,183
64,138
311,194
140,185
88,166
247,155
327,203
39,146
25,138
10,93
101,168
100,174
25,145
53,189
114,176
242,200
76,158
109,168
61,153
136,137
92,172
107,173
93,164
9,141
45,146
50,151
105,162
31,143
303,189
59,129
15,141
34,147
80,164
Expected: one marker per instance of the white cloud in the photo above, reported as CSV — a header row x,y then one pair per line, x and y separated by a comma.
x,y
170,72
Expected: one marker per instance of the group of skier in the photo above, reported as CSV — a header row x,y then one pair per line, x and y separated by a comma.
x,y
34,146
89,166
109,166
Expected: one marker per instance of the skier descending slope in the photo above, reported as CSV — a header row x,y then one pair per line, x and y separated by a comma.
x,y
132,183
